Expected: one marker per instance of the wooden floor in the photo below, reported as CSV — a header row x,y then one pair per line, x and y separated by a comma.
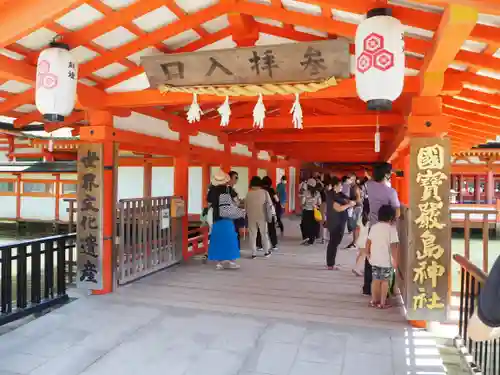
x,y
292,284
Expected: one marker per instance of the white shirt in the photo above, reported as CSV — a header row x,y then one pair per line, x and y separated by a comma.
x,y
382,236
363,233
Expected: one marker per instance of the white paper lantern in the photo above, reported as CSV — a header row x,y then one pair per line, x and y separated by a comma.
x,y
56,80
380,59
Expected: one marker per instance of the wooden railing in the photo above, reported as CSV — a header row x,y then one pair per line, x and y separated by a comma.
x,y
148,239
479,217
484,356
197,241
34,275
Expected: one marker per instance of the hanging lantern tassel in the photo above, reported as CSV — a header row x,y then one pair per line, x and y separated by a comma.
x,y
377,138
224,112
259,113
51,145
296,112
195,112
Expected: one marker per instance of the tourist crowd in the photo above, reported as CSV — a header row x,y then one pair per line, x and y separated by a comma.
x,y
367,209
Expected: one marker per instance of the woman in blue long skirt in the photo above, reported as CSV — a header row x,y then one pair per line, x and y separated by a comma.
x,y
223,247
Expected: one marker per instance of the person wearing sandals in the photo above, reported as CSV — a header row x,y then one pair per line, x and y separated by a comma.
x,y
379,194
223,247
259,208
382,250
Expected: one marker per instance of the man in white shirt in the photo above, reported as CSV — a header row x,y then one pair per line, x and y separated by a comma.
x,y
382,249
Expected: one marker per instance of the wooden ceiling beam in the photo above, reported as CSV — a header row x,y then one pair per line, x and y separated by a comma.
x,y
191,47
487,130
170,30
413,17
473,117
285,122
300,137
484,6
20,18
456,24
486,98
472,107
344,89
329,25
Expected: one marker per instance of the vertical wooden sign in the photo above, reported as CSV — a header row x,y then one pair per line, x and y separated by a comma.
x,y
90,216
429,257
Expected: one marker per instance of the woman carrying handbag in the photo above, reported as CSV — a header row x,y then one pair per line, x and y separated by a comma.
x,y
223,247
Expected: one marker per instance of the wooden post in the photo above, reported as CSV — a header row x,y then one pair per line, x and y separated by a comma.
x,y
148,178
181,187
477,189
461,187
490,186
298,203
18,197
497,223
427,260
96,218
57,196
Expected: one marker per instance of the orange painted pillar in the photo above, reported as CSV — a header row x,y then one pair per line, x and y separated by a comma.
x,y
181,187
477,189
490,186
271,169
57,196
226,162
205,182
18,196
297,193
148,179
103,118
252,166
461,188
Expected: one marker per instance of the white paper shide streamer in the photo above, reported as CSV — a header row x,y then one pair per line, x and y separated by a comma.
x,y
296,112
259,113
224,112
377,139
195,112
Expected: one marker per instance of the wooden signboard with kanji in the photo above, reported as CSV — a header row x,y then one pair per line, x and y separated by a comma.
x,y
294,62
89,217
429,253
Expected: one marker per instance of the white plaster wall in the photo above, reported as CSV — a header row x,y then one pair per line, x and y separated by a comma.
x,y
242,186
130,182
206,140
37,176
241,150
195,202
262,172
145,125
3,157
162,182
63,213
41,208
8,207
291,188
263,155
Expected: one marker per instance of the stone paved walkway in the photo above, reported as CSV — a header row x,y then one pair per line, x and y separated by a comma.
x,y
280,316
